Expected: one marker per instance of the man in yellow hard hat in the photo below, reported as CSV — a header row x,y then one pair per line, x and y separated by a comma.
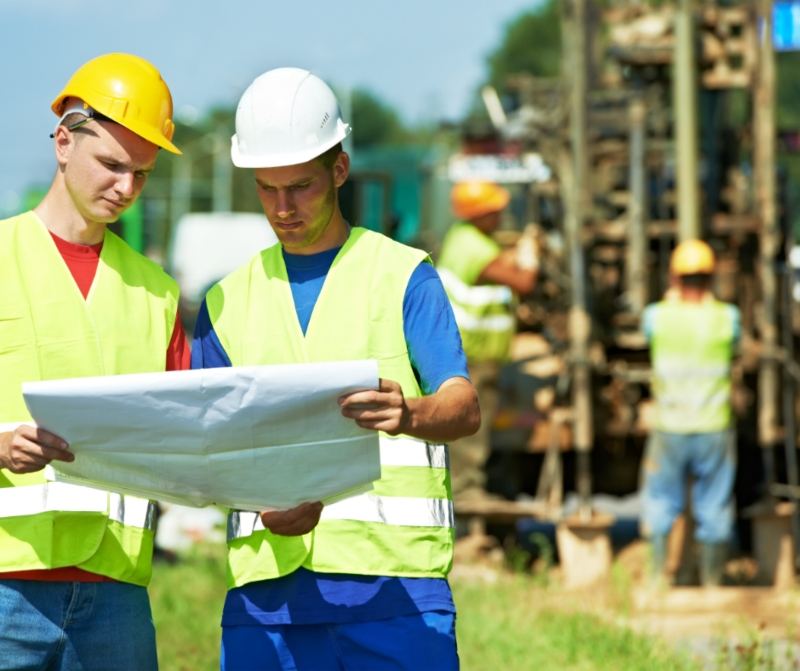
x,y
76,301
692,340
360,583
481,280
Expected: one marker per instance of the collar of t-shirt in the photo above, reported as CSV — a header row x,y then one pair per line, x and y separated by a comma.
x,y
307,274
81,260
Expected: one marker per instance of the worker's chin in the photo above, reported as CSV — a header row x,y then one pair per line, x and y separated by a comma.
x,y
107,213
290,240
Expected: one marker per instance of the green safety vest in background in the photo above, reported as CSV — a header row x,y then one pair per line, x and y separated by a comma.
x,y
404,526
483,311
691,346
49,331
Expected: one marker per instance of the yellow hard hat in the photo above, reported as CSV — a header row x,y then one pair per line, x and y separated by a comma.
x,y
692,257
126,89
473,199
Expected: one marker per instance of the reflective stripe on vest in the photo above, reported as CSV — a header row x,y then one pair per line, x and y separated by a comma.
x,y
483,312
691,350
492,324
391,510
61,496
479,295
49,331
404,525
400,451
369,507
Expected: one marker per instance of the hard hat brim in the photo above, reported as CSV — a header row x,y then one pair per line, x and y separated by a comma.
x,y
496,202
144,131
277,160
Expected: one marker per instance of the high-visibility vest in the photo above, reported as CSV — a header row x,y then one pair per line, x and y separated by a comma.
x,y
404,526
691,346
483,312
49,331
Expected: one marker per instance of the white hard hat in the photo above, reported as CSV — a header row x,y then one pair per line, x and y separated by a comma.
x,y
285,117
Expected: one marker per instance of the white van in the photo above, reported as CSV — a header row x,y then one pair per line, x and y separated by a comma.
x,y
206,246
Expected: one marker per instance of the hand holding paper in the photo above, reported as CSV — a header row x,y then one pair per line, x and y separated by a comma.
x,y
27,449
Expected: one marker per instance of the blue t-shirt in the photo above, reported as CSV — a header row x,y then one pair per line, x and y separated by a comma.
x,y
308,597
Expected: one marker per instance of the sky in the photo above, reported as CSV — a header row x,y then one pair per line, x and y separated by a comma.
x,y
424,57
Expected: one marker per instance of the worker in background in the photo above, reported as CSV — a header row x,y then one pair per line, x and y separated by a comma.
x,y
360,584
481,280
78,301
692,340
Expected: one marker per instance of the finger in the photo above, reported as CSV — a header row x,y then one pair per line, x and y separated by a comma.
x,y
57,454
388,385
367,397
387,426
42,436
287,517
362,406
371,395
295,529
293,522
370,414
41,454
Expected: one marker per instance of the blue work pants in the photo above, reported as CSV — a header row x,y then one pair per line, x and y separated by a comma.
x,y
423,642
670,459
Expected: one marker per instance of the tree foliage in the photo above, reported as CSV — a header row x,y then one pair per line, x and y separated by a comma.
x,y
374,121
531,44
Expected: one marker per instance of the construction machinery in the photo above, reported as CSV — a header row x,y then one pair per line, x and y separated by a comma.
x,y
660,128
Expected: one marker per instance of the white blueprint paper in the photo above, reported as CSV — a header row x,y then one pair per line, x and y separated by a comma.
x,y
249,438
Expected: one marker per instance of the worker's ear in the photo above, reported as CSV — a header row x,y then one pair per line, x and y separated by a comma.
x,y
341,169
64,143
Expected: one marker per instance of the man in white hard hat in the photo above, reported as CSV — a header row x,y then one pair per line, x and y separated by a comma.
x,y
75,301
360,584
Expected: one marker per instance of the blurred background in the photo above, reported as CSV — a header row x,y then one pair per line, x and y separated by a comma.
x,y
620,127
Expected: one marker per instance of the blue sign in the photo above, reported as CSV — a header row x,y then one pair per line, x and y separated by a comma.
x,y
786,25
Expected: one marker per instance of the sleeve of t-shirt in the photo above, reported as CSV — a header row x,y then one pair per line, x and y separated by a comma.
x,y
434,343
178,354
207,350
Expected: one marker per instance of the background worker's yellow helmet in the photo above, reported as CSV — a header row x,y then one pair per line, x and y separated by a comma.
x,y
473,199
692,257
126,89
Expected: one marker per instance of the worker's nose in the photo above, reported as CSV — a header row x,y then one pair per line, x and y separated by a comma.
x,y
285,206
126,184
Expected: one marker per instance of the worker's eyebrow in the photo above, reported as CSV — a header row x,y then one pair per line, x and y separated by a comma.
x,y
295,182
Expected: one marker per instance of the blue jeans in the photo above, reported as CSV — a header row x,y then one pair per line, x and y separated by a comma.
x,y
75,626
422,642
710,459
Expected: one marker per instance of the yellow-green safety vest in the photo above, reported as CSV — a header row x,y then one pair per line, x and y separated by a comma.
x,y
484,312
404,526
691,346
49,331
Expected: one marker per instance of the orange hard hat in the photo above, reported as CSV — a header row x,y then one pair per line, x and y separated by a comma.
x,y
692,257
473,199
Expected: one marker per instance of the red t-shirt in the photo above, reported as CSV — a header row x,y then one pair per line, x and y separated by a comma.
x,y
82,262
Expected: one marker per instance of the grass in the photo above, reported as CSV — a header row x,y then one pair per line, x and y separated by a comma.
x,y
517,623
186,598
